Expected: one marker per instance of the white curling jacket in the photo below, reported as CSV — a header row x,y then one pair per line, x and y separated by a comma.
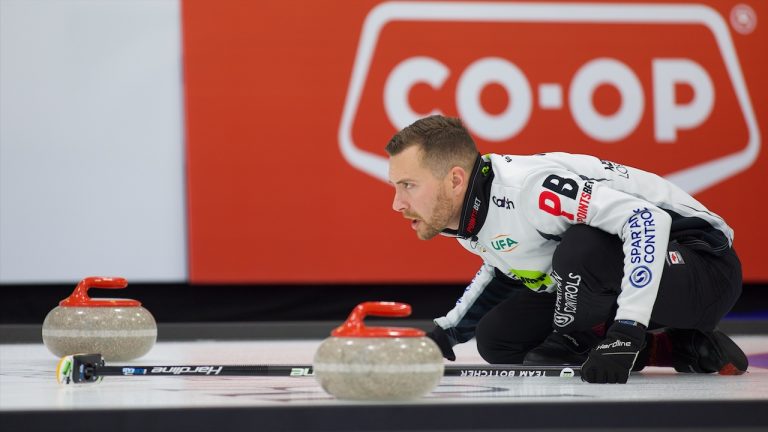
x,y
517,207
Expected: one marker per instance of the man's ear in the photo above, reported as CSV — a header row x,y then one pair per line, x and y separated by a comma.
x,y
458,177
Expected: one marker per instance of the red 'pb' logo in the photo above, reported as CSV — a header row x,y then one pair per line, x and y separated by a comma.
x,y
657,85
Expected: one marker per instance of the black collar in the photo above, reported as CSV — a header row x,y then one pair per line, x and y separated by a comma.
x,y
475,207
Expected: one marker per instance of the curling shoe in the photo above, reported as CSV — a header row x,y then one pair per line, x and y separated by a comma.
x,y
562,349
695,351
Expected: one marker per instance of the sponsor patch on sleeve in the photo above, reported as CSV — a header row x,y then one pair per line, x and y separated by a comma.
x,y
675,257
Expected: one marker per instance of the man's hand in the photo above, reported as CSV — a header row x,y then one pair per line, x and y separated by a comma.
x,y
438,335
612,359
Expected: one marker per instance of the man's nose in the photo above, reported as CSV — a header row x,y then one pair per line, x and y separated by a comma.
x,y
398,204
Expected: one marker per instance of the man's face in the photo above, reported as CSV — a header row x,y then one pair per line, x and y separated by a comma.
x,y
420,196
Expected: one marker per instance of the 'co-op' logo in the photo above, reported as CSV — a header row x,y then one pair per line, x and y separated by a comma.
x,y
649,85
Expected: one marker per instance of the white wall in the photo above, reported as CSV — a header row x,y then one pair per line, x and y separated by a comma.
x,y
91,141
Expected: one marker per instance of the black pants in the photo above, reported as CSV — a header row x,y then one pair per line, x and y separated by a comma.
x,y
694,293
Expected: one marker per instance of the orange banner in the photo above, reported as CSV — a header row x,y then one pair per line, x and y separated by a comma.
x,y
289,106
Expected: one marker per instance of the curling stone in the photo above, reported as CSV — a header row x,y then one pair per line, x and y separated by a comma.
x,y
118,329
378,363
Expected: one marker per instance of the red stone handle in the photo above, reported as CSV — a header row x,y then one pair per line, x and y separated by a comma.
x,y
354,326
80,298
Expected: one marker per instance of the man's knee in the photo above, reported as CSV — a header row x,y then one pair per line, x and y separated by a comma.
x,y
495,350
496,344
502,356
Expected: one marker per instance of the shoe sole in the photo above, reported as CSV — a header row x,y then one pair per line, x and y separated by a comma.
x,y
736,360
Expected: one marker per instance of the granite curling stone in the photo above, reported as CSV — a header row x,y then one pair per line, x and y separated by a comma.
x,y
378,363
118,329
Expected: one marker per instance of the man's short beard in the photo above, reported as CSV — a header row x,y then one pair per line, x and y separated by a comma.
x,y
441,217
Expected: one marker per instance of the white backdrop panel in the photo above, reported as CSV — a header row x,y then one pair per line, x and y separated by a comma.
x,y
91,141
